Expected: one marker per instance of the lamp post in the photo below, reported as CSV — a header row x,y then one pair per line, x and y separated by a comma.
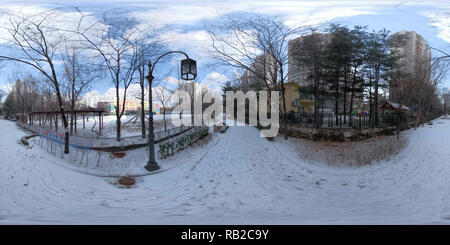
x,y
188,72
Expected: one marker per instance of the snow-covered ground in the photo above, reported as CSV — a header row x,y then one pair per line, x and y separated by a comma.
x,y
237,178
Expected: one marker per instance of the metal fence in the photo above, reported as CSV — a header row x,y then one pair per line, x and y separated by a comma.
x,y
83,142
85,150
338,121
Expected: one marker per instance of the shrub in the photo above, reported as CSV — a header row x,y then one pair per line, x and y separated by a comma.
x,y
319,136
171,147
337,137
259,126
127,181
354,137
386,131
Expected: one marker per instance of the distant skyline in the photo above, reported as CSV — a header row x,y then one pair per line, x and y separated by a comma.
x,y
431,19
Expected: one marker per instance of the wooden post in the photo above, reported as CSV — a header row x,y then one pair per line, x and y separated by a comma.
x,y
99,124
56,122
83,122
75,114
51,119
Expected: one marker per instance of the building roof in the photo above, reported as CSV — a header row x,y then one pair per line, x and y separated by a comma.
x,y
393,105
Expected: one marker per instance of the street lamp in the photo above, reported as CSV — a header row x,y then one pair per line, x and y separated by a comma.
x,y
188,72
188,69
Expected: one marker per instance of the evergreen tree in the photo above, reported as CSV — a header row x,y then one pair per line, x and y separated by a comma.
x,y
8,106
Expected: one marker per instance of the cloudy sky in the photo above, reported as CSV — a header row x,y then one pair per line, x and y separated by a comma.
x,y
186,19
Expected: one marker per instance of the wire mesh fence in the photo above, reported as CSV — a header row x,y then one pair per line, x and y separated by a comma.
x,y
88,151
337,121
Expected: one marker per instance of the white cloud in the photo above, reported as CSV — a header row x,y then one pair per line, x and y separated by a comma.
x,y
6,88
319,17
181,13
53,19
192,40
214,80
440,20
171,80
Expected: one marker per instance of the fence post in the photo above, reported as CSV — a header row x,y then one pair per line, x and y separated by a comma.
x,y
360,121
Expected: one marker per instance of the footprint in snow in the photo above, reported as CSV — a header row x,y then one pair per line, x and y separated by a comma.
x,y
104,203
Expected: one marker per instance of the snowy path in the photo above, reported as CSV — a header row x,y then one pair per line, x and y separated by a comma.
x,y
240,179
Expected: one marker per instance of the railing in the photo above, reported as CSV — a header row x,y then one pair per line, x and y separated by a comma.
x,y
91,152
337,121
82,142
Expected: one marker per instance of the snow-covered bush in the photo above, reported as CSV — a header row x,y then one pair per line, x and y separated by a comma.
x,y
170,147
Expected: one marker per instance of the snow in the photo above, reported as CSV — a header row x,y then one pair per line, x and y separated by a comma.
x,y
236,178
130,125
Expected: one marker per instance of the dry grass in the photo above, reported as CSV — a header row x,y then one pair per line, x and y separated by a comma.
x,y
117,154
356,153
127,181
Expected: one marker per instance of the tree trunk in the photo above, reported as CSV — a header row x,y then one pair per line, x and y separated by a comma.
x,y
316,98
336,97
118,124
64,119
370,102
164,118
398,125
72,108
418,115
284,112
377,77
345,93
425,118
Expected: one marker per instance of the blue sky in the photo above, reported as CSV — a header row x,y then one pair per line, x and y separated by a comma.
x,y
431,19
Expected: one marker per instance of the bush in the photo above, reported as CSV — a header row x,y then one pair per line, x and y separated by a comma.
x,y
337,137
386,131
259,126
319,136
169,148
354,137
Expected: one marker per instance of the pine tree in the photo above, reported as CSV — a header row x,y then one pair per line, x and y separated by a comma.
x,y
8,106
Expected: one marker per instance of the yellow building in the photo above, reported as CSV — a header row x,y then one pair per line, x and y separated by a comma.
x,y
295,102
133,105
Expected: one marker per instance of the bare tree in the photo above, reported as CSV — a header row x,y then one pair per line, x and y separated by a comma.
x,y
400,93
48,97
255,44
445,55
37,42
20,90
148,49
446,101
2,94
189,87
424,86
79,75
439,71
163,95
115,39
